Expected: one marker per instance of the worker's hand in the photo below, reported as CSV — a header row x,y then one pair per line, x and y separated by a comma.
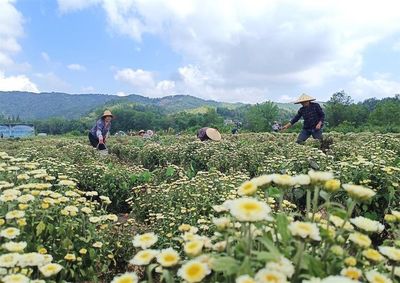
x,y
318,126
287,126
101,140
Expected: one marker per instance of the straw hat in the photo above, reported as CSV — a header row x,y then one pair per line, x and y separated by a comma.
x,y
107,113
303,98
213,134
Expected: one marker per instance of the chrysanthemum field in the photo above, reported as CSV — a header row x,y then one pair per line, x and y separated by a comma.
x,y
251,208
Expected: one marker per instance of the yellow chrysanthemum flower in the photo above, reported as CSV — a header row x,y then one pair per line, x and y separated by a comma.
x,y
128,277
193,248
194,271
168,257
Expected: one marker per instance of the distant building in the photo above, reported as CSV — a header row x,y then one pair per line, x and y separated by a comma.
x,y
17,130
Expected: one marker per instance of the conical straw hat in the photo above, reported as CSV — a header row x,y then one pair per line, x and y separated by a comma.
x,y
213,134
107,113
303,98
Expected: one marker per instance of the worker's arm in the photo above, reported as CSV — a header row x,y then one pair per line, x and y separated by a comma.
x,y
99,132
321,115
294,120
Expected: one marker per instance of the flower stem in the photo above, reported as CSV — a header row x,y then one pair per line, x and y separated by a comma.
x,y
301,246
315,202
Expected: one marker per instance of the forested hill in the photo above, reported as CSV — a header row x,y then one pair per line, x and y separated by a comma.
x,y
27,105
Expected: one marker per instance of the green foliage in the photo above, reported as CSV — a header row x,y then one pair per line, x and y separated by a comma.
x,y
260,117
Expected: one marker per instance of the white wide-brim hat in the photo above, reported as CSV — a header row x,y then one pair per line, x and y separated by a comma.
x,y
213,134
303,98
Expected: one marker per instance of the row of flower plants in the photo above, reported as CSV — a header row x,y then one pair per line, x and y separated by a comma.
x,y
174,192
257,242
50,231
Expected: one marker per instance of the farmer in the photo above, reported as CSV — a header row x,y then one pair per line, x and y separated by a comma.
x,y
313,119
208,134
101,131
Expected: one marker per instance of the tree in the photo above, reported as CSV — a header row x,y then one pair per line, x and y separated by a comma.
x,y
259,117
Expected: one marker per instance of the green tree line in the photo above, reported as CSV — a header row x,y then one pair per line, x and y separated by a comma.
x,y
342,114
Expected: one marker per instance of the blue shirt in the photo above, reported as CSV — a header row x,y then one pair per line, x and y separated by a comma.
x,y
100,130
312,115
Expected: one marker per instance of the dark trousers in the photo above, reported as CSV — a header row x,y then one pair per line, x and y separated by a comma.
x,y
306,133
94,141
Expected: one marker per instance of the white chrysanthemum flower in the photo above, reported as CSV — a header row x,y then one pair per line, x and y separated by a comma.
x,y
351,272
25,198
338,222
9,260
367,225
360,240
67,183
270,276
168,257
338,279
193,248
128,277
222,222
194,271
15,214
14,246
31,259
282,265
249,209
319,176
50,269
15,278
376,277
373,255
144,257
302,180
262,180
283,180
248,188
10,233
305,230
358,192
145,241
390,252
245,279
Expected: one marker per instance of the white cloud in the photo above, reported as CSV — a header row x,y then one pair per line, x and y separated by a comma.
x,y
76,67
257,47
45,56
17,83
121,93
74,5
137,78
362,88
51,82
11,28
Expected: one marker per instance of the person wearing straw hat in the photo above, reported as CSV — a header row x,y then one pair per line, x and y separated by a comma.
x,y
208,134
313,117
100,131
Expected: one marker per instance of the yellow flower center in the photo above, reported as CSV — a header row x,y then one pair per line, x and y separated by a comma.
x,y
250,206
169,258
271,278
194,270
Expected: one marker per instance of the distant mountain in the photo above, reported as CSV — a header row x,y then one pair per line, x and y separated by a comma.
x,y
28,105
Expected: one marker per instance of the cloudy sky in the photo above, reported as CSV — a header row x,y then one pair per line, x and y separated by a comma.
x,y
226,50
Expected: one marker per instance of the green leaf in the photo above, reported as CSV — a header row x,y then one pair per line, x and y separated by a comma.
x,y
167,276
245,268
225,264
324,195
313,265
282,225
40,228
274,192
269,245
149,271
265,256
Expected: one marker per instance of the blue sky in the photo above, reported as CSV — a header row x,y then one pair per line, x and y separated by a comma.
x,y
247,51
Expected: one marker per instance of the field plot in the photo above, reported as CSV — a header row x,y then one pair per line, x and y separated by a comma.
x,y
251,208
